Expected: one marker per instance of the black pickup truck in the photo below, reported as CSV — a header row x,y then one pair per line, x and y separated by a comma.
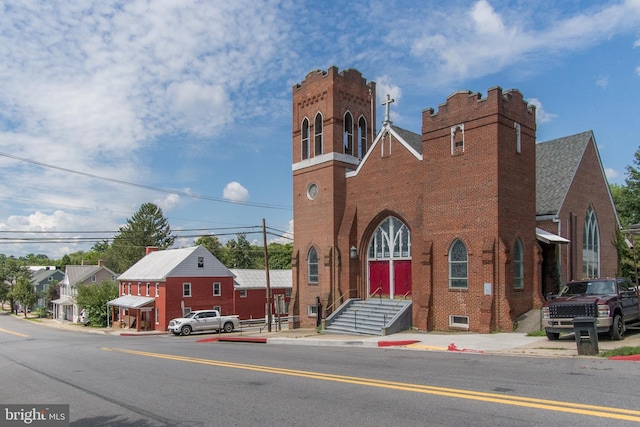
x,y
613,302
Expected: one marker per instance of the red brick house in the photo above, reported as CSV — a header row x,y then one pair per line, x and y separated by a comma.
x,y
170,283
449,218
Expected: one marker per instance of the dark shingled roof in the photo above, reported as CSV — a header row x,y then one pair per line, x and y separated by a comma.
x,y
413,139
556,164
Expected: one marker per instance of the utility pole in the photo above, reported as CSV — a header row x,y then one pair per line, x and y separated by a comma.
x,y
266,269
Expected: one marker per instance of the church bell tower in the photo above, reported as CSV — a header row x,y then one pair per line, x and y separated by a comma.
x,y
333,126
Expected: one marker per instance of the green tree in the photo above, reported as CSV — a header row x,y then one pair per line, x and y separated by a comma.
x,y
240,252
627,198
10,271
280,255
93,300
213,245
52,293
147,227
24,294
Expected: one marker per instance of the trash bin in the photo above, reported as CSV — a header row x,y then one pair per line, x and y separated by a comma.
x,y
587,346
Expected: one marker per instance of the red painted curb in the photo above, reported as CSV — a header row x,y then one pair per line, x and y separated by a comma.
x,y
633,357
208,340
392,343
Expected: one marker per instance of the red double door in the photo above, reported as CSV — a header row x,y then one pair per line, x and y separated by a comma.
x,y
392,278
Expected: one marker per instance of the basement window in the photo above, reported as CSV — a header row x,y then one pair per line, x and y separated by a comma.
x,y
312,310
456,321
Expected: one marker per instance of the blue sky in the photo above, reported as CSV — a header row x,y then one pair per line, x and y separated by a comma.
x,y
195,97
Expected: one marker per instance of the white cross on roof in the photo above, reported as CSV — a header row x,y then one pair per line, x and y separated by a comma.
x,y
387,104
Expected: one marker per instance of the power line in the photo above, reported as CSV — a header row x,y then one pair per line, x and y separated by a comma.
x,y
147,187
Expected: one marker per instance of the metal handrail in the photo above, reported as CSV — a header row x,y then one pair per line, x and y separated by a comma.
x,y
394,307
340,299
376,291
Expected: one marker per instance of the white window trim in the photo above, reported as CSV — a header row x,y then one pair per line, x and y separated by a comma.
x,y
453,137
219,293
454,323
190,290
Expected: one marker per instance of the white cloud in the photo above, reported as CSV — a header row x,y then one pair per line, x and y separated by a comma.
x,y
235,192
453,48
611,174
541,115
169,202
602,82
286,237
385,87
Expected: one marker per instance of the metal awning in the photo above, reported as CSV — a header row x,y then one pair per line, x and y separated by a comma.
x,y
63,301
550,238
131,301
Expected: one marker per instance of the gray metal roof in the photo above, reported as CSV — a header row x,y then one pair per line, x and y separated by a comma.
x,y
257,279
74,274
556,164
158,265
413,139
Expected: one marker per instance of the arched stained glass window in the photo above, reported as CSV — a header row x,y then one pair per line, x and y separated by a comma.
x,y
312,262
317,129
348,134
591,245
518,266
305,139
392,239
458,266
362,137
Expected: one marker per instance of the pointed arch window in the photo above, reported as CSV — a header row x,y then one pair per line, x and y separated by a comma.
x,y
591,245
392,239
348,134
305,139
317,130
362,137
518,266
458,266
457,139
312,262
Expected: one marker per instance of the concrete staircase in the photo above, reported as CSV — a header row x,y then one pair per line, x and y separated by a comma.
x,y
370,317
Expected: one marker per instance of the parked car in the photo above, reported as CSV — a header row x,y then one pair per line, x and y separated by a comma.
x,y
613,302
202,321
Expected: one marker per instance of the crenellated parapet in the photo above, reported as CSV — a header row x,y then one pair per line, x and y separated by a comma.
x,y
465,106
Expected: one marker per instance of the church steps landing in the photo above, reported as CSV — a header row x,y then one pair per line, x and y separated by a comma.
x,y
370,317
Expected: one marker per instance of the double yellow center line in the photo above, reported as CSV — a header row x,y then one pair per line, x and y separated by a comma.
x,y
549,405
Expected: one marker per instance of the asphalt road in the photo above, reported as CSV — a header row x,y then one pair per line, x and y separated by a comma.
x,y
176,381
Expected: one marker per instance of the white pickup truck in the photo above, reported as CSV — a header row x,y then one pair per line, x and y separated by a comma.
x,y
203,320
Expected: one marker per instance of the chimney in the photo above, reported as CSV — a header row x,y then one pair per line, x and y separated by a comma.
x,y
150,249
102,263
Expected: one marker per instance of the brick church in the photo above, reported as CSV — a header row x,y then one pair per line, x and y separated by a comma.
x,y
470,219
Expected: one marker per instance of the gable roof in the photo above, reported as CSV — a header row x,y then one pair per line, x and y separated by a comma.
x,y
42,274
159,265
74,274
410,140
256,279
556,164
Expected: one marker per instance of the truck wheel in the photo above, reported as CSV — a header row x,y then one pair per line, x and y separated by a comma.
x,y
186,330
553,336
617,329
228,327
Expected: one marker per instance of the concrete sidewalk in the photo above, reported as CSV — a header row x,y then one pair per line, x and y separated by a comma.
x,y
499,343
